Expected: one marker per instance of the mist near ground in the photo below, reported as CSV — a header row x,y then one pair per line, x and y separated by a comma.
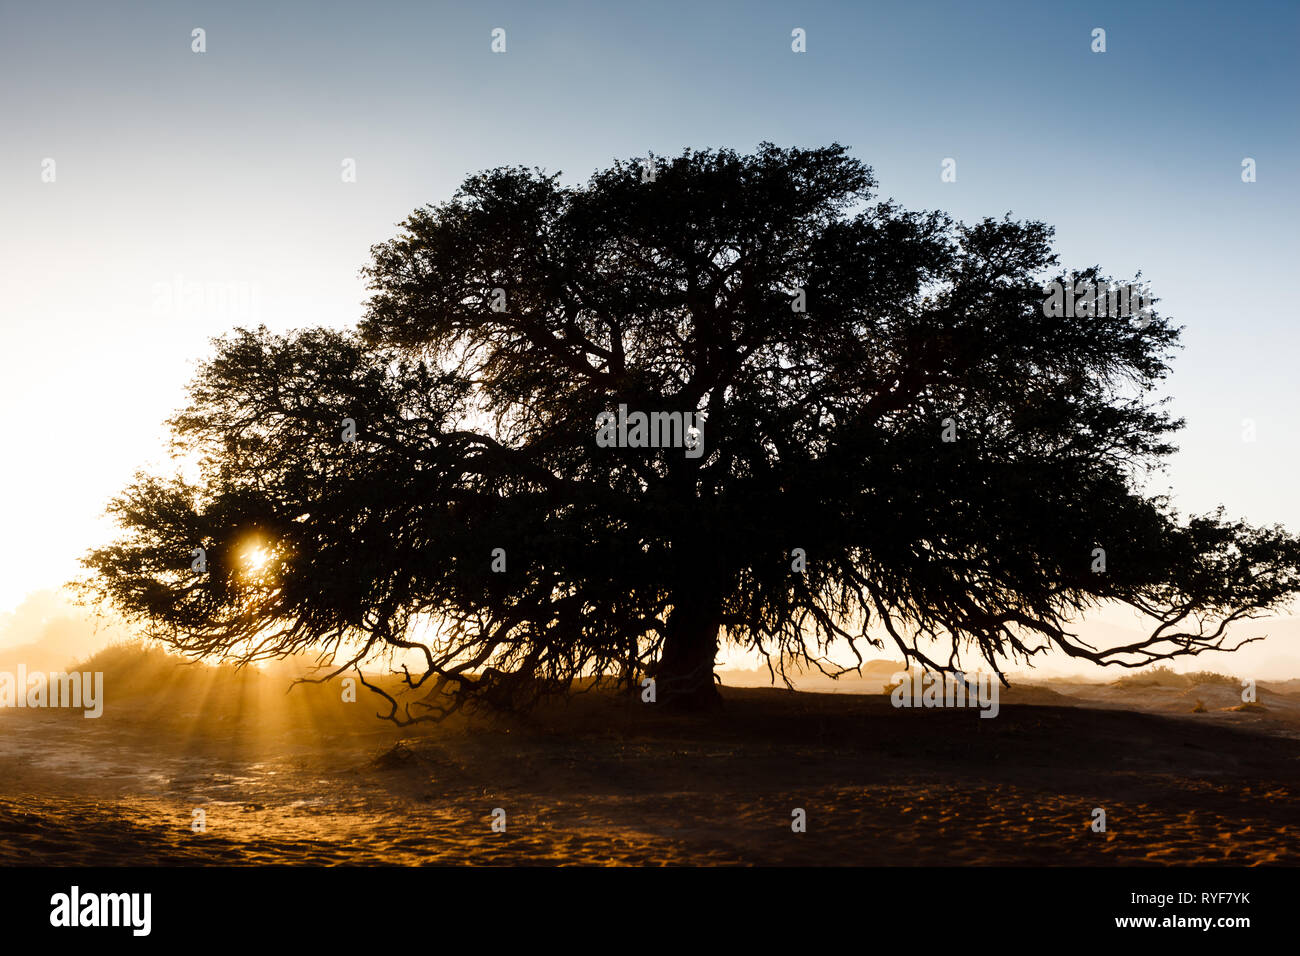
x,y
49,630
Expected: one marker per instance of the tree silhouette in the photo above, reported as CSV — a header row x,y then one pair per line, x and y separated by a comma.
x,y
897,442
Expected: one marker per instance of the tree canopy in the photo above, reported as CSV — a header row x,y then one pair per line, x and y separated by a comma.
x,y
898,444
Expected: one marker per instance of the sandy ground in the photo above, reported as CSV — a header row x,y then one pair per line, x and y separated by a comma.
x,y
306,778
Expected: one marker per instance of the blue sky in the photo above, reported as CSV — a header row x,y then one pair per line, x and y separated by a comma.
x,y
222,169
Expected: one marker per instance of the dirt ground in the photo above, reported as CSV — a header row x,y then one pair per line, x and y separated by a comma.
x,y
306,778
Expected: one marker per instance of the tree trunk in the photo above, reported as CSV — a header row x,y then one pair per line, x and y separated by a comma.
x,y
684,675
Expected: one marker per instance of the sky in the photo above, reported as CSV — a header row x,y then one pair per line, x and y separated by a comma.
x,y
195,192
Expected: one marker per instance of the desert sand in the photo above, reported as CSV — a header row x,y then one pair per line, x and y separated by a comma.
x,y
305,778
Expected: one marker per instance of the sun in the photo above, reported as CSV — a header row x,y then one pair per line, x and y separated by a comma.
x,y
256,559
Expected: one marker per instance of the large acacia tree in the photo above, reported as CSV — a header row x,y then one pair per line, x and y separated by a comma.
x,y
899,446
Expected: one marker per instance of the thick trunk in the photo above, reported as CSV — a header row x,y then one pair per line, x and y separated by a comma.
x,y
684,676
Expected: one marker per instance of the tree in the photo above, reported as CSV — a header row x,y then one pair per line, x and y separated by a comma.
x,y
897,442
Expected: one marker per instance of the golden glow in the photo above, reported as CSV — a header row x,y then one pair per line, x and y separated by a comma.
x,y
257,558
